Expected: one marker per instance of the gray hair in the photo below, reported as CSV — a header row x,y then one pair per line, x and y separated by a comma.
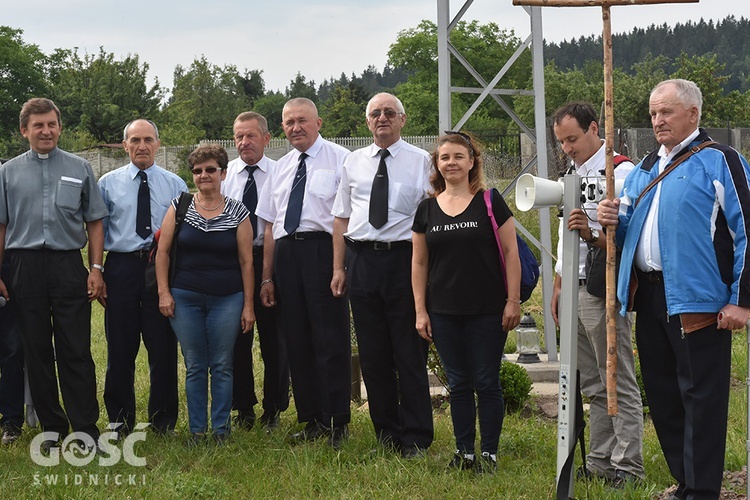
x,y
252,115
687,93
399,104
300,101
125,131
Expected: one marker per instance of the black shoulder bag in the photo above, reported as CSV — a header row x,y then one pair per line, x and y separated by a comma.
x,y
179,217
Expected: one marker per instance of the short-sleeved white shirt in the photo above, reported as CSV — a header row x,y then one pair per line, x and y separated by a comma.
x,y
408,183
324,163
233,186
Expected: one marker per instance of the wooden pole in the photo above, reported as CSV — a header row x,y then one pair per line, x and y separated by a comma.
x,y
609,142
609,139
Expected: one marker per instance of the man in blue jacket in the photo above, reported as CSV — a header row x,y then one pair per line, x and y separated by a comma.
x,y
685,269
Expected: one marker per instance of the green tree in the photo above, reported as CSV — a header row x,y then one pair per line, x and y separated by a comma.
x,y
207,97
99,94
706,72
253,84
420,103
344,113
632,91
270,106
22,76
300,87
485,46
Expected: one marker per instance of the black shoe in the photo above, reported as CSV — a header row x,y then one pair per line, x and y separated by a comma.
x,y
164,433
339,434
583,473
389,445
412,451
487,464
196,439
47,446
245,419
11,433
311,432
221,438
461,461
622,479
270,421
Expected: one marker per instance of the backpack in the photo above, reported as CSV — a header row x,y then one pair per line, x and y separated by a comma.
x,y
179,216
529,264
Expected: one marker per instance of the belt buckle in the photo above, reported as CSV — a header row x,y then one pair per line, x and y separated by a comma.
x,y
298,236
381,245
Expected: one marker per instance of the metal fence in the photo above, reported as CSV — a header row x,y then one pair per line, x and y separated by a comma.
x,y
172,157
636,143
505,154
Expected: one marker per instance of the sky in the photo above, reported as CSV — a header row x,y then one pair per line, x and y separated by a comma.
x,y
319,38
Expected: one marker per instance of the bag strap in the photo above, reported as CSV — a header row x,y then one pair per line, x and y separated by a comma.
x,y
620,159
488,202
182,207
672,166
179,216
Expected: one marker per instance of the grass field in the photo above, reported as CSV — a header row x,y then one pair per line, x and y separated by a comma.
x,y
255,465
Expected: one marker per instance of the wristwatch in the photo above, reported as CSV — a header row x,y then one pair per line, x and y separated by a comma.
x,y
594,236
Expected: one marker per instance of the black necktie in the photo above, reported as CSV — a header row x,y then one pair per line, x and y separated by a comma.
x,y
143,215
294,208
250,196
379,194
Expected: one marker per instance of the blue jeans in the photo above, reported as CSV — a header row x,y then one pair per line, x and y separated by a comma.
x,y
470,348
207,327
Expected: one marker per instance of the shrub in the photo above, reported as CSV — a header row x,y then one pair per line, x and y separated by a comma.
x,y
516,385
435,366
514,380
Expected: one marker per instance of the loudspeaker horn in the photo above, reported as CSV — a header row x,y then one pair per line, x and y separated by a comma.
x,y
535,192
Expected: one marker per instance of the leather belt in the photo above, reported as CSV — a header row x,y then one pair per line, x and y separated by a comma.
x,y
308,235
141,254
376,245
650,277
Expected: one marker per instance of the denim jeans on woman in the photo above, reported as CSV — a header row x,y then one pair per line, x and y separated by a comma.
x,y
207,327
470,348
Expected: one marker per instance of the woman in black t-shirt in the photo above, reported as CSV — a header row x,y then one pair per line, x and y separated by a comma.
x,y
462,300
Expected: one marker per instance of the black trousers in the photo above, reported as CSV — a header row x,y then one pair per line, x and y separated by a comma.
x,y
132,314
687,385
392,354
49,288
273,351
316,326
11,362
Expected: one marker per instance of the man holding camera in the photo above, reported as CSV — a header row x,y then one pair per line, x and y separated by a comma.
x,y
616,449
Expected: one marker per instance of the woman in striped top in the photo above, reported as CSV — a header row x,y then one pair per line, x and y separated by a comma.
x,y
210,300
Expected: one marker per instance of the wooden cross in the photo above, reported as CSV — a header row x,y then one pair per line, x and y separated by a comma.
x,y
609,141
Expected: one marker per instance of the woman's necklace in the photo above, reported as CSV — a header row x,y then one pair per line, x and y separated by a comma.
x,y
221,202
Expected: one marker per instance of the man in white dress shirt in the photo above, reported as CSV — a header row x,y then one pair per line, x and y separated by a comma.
x,y
245,179
378,275
296,204
616,451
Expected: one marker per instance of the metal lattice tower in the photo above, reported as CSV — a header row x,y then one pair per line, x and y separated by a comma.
x,y
538,134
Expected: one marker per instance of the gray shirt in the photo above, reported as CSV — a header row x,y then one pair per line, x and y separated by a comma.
x,y
45,200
